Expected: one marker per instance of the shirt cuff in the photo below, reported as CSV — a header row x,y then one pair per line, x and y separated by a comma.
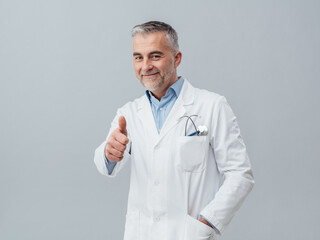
x,y
215,229
109,164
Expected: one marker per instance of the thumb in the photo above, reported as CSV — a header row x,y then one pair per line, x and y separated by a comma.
x,y
123,125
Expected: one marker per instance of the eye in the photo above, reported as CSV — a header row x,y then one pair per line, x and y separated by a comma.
x,y
137,58
155,57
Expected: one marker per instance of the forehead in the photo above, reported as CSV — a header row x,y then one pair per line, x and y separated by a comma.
x,y
143,43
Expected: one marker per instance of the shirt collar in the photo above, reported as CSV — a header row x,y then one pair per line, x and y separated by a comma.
x,y
176,88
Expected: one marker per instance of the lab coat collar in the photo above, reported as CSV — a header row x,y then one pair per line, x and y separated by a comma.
x,y
187,93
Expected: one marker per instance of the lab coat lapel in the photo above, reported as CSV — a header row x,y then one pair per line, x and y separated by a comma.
x,y
146,116
179,109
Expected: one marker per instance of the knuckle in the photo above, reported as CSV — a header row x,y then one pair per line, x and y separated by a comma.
x,y
120,154
108,148
118,148
107,151
114,134
109,142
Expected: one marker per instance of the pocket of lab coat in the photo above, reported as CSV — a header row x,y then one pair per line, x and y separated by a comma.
x,y
132,226
191,153
196,230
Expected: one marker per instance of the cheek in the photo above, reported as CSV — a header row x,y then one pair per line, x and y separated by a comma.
x,y
167,68
158,66
136,68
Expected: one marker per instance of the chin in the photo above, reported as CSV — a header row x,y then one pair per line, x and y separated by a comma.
x,y
152,84
151,87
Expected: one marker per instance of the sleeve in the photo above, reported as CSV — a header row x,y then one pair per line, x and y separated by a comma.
x,y
214,228
99,156
233,164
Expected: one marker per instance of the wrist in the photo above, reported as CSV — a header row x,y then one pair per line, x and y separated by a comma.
x,y
205,222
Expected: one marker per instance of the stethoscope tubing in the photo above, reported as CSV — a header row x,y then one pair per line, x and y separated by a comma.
x,y
194,125
194,133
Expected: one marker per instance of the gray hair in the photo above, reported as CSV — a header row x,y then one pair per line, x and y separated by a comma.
x,y
156,26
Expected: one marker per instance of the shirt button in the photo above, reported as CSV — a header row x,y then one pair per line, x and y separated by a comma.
x,y
161,109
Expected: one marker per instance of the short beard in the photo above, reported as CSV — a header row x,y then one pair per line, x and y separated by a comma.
x,y
154,87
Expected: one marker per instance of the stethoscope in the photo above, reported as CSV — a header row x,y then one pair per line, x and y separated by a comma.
x,y
199,131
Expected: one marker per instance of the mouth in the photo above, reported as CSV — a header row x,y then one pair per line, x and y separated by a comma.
x,y
149,75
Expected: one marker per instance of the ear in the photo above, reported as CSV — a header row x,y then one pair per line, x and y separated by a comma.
x,y
177,59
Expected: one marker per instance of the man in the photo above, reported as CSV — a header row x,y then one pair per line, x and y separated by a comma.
x,y
189,168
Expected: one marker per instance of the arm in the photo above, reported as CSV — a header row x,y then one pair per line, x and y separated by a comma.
x,y
234,165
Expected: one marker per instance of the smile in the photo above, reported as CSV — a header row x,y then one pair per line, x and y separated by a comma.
x,y
149,75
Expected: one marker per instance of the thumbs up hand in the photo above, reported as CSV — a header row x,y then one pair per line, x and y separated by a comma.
x,y
117,141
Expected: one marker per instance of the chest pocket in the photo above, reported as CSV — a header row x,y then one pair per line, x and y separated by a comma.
x,y
191,152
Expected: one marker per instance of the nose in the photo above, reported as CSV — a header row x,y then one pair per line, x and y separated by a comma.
x,y
147,66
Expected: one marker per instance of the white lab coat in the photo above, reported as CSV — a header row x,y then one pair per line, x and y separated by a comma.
x,y
176,178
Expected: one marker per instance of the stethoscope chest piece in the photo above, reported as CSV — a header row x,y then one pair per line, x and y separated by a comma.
x,y
202,130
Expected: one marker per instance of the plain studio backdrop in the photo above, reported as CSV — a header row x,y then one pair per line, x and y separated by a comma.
x,y
66,66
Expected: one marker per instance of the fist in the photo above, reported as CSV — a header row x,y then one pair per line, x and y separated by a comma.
x,y
117,141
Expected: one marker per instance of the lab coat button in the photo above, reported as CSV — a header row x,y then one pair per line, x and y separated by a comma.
x,y
157,219
156,182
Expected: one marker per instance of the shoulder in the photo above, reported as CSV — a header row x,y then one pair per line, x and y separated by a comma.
x,y
134,105
204,96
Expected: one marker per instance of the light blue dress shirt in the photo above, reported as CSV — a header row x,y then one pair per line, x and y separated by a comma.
x,y
162,108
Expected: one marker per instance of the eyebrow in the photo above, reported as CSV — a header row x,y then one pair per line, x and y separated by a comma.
x,y
156,52
153,52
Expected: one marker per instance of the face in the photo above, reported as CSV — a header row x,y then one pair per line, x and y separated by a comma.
x,y
154,62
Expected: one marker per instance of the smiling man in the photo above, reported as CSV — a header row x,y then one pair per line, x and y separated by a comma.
x,y
190,171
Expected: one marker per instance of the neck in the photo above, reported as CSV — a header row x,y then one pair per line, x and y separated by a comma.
x,y
161,93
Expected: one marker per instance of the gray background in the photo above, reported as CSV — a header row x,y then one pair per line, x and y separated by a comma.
x,y
65,67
